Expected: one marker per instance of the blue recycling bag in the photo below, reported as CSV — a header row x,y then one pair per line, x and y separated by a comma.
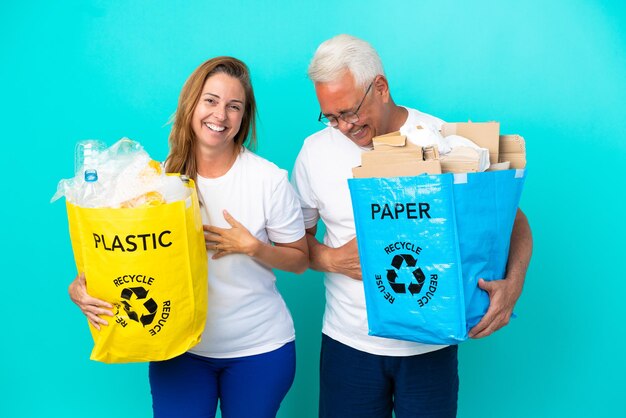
x,y
424,242
486,205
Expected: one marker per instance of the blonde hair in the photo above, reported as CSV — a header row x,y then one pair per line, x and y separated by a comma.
x,y
182,140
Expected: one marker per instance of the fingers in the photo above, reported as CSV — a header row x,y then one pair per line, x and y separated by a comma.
x,y
497,316
480,330
78,293
99,306
211,244
215,243
489,286
229,218
94,313
213,236
213,229
234,240
95,320
82,298
212,239
488,325
94,324
98,303
219,245
215,246
91,307
95,309
220,254
218,232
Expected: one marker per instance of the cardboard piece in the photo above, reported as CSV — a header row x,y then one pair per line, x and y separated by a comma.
x,y
513,149
483,134
403,169
381,138
430,153
391,141
394,156
460,160
372,158
505,165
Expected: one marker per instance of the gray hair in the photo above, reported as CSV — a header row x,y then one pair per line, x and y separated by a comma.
x,y
344,52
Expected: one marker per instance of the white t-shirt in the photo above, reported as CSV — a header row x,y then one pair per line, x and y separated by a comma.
x,y
246,314
320,178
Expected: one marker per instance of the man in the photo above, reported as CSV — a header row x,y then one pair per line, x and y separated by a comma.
x,y
360,375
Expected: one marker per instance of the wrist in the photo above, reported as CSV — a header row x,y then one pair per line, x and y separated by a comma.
x,y
254,248
318,256
327,260
515,284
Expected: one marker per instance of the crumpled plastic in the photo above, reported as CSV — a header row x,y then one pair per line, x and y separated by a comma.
x,y
127,178
451,146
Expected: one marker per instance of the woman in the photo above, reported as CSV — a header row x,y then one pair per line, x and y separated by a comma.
x,y
246,358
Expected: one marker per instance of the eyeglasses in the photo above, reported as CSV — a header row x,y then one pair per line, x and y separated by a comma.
x,y
349,117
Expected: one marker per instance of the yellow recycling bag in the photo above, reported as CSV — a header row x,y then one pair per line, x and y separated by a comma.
x,y
150,263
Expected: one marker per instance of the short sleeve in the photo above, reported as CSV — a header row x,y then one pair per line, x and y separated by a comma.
x,y
300,180
284,222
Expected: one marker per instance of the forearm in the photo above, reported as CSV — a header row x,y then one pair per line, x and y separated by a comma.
x,y
520,251
343,260
292,257
319,254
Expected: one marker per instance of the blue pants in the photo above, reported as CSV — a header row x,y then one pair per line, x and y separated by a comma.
x,y
362,385
247,387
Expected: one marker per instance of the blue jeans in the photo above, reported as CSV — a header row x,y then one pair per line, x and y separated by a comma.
x,y
252,387
362,385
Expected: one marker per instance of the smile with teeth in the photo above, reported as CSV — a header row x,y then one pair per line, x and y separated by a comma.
x,y
214,127
358,131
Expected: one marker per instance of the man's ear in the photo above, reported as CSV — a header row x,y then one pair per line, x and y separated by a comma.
x,y
381,88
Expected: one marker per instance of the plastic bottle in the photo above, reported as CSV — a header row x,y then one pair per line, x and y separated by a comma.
x,y
92,195
86,155
86,167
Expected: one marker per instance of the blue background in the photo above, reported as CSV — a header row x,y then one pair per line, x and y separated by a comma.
x,y
552,71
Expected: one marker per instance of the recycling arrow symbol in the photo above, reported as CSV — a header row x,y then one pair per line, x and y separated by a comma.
x,y
415,286
149,305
